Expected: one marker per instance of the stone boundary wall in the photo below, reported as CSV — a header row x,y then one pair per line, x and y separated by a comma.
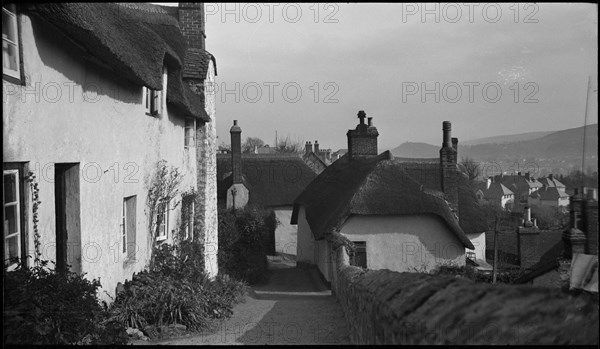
x,y
385,307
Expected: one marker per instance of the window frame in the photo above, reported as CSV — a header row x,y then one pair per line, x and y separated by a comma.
x,y
23,206
152,101
189,223
360,247
18,225
14,76
189,133
163,211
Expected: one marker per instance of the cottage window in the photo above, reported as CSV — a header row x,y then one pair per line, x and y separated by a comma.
x,y
190,133
162,220
360,254
152,101
13,233
10,42
129,226
189,219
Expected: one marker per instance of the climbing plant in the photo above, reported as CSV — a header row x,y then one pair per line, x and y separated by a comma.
x,y
35,193
163,187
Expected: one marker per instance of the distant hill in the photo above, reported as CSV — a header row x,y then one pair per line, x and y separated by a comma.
x,y
416,150
508,138
560,145
567,143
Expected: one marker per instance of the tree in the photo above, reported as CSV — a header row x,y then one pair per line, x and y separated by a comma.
x,y
289,145
471,168
250,143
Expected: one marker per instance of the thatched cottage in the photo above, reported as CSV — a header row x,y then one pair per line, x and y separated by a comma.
x,y
268,180
401,214
95,96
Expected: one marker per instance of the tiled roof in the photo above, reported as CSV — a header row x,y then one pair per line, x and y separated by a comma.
x,y
551,194
551,182
370,186
548,243
133,39
274,179
196,63
496,191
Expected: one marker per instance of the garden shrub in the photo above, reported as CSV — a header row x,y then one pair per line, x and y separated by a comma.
x,y
243,239
175,290
43,306
506,277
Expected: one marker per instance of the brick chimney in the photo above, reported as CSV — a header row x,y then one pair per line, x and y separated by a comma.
x,y
449,169
308,147
590,224
236,152
574,238
191,22
237,195
527,241
362,141
316,148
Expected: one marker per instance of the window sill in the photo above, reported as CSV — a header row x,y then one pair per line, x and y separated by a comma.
x,y
12,79
155,115
161,238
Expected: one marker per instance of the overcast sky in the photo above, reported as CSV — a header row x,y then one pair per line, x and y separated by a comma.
x,y
305,70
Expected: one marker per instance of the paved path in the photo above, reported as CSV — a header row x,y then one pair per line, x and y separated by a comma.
x,y
294,307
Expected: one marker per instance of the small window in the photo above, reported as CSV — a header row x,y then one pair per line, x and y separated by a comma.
x,y
162,221
10,42
152,101
129,226
190,133
12,219
360,254
189,220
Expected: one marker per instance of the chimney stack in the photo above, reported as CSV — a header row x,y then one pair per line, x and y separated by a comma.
x,y
447,130
527,217
308,147
449,169
550,176
191,22
317,147
362,141
370,121
455,143
236,152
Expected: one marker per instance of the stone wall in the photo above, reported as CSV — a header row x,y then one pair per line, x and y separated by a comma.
x,y
385,307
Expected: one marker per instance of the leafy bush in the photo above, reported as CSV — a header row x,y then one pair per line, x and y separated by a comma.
x,y
243,239
44,306
506,277
175,290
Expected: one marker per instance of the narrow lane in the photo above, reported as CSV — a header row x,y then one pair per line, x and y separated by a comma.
x,y
294,307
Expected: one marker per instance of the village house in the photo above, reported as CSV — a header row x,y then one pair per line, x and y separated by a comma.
x,y
401,214
495,193
550,258
95,96
269,180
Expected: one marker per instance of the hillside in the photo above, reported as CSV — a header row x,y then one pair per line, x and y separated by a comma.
x,y
508,138
416,150
558,152
564,144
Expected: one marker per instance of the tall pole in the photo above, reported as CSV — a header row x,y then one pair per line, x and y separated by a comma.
x,y
495,265
587,96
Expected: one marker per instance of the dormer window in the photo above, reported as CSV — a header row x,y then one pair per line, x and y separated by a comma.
x,y
152,101
10,42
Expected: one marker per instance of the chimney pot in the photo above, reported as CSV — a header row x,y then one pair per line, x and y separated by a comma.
x,y
447,130
370,121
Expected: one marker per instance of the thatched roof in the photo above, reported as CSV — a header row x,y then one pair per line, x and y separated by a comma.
x,y
369,186
272,179
133,39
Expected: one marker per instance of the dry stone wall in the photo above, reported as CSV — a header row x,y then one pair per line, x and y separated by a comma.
x,y
385,307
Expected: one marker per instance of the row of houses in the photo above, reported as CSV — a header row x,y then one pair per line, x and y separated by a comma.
x,y
95,97
515,192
